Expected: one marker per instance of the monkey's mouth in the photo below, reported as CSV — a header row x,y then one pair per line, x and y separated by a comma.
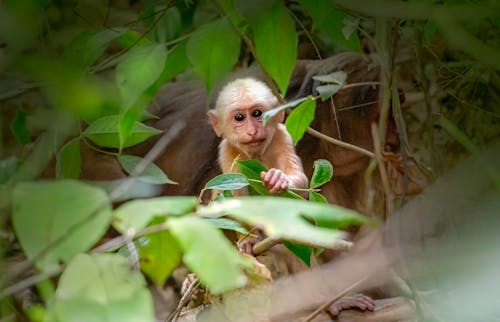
x,y
255,142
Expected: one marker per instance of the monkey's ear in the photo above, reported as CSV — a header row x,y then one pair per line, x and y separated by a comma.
x,y
214,120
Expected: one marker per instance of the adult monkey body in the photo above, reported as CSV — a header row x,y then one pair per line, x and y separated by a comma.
x,y
237,118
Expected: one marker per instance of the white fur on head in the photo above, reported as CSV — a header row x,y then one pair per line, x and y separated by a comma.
x,y
245,90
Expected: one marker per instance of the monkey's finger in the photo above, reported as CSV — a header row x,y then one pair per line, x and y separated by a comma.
x,y
275,176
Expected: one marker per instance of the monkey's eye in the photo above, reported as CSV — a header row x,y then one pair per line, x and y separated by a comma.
x,y
239,117
257,113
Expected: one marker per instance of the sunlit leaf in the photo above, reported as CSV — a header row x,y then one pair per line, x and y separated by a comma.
x,y
323,172
137,214
285,218
275,41
159,255
104,132
228,181
44,212
271,113
213,49
19,128
69,160
300,118
227,224
102,287
139,69
209,254
151,174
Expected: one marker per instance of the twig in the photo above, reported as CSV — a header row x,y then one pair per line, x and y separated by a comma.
x,y
184,300
343,144
323,307
381,167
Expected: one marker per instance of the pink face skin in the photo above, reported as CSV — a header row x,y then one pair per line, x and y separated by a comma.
x,y
247,130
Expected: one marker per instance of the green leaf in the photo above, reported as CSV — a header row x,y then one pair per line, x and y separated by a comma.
x,y
89,45
176,63
137,214
252,169
329,18
338,77
132,37
19,129
286,218
227,224
138,70
7,167
101,287
160,254
271,113
317,197
209,254
323,172
213,49
430,30
44,212
104,132
299,120
301,251
327,91
152,174
69,160
228,181
275,43
169,26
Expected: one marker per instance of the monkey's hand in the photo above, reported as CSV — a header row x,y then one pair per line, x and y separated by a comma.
x,y
275,180
358,301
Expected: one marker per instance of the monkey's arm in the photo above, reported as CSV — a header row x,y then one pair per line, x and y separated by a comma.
x,y
286,167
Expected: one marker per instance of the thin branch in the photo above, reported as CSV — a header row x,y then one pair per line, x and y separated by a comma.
x,y
343,144
377,146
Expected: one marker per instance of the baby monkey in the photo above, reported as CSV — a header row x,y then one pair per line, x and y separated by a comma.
x,y
237,118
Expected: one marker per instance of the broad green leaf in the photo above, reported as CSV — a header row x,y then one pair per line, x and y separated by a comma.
x,y
44,212
169,26
19,129
329,18
301,251
209,254
327,91
7,168
176,63
286,218
317,197
299,120
338,77
145,115
104,132
139,69
227,224
137,214
159,255
323,172
89,45
101,287
132,37
228,181
213,49
252,169
152,174
69,160
275,41
271,113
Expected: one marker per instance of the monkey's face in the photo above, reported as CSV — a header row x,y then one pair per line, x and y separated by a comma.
x,y
246,129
